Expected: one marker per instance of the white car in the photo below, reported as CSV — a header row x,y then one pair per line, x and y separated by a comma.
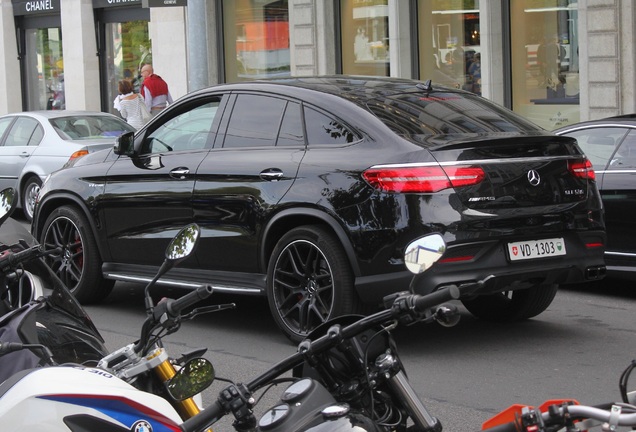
x,y
36,143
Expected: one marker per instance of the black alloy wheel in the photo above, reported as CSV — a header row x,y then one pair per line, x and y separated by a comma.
x,y
77,262
309,281
514,305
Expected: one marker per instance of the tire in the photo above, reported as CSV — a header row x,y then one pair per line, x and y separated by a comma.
x,y
29,196
309,281
510,306
78,264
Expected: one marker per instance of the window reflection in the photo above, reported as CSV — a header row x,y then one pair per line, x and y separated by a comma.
x,y
545,63
365,37
450,43
256,38
45,69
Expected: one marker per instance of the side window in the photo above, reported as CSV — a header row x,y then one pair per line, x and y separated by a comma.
x,y
192,130
599,144
322,129
24,132
291,130
254,122
4,124
625,156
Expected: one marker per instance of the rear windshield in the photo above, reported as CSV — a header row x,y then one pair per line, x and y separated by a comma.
x,y
89,127
446,113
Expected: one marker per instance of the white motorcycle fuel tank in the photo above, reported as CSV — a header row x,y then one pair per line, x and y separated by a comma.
x,y
74,398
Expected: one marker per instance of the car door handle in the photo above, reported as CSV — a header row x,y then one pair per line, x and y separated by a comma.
x,y
25,154
272,174
179,173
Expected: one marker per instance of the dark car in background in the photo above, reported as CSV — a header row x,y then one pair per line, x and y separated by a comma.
x,y
610,144
307,190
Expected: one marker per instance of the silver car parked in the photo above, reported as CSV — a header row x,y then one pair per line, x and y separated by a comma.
x,y
36,143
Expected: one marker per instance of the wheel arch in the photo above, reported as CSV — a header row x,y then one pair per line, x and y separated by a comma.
x,y
292,218
46,206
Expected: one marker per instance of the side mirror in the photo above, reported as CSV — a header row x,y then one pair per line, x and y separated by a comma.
x,y
421,254
194,377
182,245
7,203
125,144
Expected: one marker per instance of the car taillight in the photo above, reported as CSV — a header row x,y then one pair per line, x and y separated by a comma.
x,y
418,179
582,169
77,154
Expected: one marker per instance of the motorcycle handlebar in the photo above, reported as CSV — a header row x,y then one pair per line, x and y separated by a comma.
x,y
421,303
175,307
557,417
12,259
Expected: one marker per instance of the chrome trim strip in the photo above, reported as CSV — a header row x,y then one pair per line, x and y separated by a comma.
x,y
622,254
477,161
181,284
626,171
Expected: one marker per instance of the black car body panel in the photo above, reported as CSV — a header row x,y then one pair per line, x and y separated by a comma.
x,y
255,161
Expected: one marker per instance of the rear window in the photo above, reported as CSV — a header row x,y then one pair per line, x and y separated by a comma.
x,y
446,113
89,127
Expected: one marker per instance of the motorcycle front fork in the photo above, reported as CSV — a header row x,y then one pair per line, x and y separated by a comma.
x,y
405,393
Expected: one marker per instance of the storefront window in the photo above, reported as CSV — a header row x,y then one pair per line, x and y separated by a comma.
x,y
45,69
365,37
127,50
545,62
449,43
256,37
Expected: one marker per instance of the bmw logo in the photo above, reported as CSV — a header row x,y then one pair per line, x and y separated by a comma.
x,y
534,178
141,426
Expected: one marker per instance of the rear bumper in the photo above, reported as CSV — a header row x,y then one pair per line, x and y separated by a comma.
x,y
582,263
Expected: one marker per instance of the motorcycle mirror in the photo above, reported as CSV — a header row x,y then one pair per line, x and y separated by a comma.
x,y
7,204
194,377
182,245
422,253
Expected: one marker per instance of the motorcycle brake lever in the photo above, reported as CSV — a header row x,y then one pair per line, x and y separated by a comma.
x,y
207,309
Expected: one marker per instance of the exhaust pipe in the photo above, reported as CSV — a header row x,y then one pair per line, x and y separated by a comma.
x,y
595,272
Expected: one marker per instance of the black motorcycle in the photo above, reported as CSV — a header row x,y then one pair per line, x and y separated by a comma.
x,y
36,308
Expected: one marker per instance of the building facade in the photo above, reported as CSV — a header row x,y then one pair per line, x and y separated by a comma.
x,y
554,61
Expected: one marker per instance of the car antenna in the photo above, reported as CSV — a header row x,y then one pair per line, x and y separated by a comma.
x,y
427,86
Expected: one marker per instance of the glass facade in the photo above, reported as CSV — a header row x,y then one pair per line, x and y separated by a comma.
x,y
450,43
256,39
44,66
365,37
545,61
127,50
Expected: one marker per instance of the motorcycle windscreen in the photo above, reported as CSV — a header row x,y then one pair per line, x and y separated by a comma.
x,y
61,298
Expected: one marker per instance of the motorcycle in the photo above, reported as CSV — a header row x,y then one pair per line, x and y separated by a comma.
x,y
42,324
345,376
35,306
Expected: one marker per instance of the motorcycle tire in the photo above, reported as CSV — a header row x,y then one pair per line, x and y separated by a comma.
x,y
514,305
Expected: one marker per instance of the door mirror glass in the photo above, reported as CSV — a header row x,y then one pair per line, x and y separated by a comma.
x,y
125,144
194,377
183,244
7,203
421,254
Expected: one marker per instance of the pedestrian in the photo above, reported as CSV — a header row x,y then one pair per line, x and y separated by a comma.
x,y
154,90
131,105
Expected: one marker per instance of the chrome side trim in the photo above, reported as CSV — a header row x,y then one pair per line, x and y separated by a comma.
x,y
622,254
478,161
181,284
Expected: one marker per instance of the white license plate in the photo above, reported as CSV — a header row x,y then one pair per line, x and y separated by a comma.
x,y
532,249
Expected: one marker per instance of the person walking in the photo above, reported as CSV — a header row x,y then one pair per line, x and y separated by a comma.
x,y
130,105
154,90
